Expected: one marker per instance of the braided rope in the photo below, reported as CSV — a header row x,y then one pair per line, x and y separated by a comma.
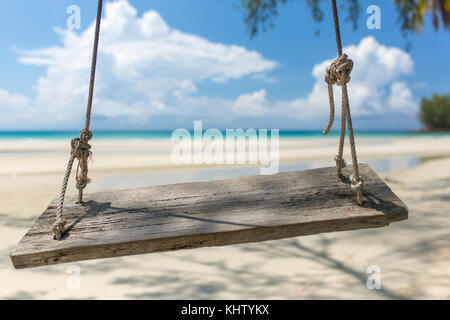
x,y
338,73
59,226
81,149
83,155
341,162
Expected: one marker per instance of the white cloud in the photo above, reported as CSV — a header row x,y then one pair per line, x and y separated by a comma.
x,y
251,105
145,68
15,107
10,100
375,68
264,78
376,89
400,98
149,74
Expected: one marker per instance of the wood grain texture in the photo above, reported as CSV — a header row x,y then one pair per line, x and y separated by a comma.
x,y
215,213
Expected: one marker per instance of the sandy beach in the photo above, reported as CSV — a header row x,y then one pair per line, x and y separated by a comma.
x,y
413,256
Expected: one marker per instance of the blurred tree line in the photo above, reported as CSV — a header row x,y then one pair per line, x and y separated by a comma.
x,y
435,112
259,14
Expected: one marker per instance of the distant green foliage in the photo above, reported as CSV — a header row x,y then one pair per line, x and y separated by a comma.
x,y
435,112
259,14
412,13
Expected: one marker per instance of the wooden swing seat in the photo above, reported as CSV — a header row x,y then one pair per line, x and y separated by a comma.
x,y
203,214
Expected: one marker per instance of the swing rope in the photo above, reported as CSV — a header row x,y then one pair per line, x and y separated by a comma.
x,y
339,73
80,147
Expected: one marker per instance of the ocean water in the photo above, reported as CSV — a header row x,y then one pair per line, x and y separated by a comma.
x,y
143,179
166,134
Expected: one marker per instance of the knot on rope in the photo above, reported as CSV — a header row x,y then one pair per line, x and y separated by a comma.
x,y
357,183
82,181
339,71
85,135
59,227
81,149
340,162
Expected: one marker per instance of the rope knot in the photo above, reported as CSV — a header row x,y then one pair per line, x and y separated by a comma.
x,y
82,181
357,183
59,228
81,150
340,162
85,135
339,71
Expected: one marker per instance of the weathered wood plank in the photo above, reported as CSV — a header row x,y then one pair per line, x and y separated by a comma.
x,y
215,213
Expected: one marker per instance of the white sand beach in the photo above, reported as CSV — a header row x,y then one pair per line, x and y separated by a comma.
x,y
413,256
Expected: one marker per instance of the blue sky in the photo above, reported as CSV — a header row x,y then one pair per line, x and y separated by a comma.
x,y
271,81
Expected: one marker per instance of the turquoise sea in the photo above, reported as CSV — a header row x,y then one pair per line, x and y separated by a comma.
x,y
129,180
166,134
